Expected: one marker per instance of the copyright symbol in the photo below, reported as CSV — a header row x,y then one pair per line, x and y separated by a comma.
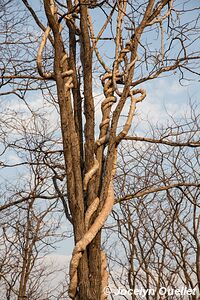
x,y
107,291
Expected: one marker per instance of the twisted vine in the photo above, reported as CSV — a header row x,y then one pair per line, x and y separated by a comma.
x,y
106,106
39,59
81,245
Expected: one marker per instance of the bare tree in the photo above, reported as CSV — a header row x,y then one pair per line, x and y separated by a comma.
x,y
158,228
29,231
31,205
66,57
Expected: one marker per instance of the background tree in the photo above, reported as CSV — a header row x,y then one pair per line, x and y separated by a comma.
x,y
31,205
66,57
158,228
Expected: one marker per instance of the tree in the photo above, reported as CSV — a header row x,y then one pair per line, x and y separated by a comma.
x,y
158,228
31,204
68,54
26,239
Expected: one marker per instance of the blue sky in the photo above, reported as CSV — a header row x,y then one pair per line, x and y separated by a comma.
x,y
164,96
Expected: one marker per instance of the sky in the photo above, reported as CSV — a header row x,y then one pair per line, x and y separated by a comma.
x,y
165,96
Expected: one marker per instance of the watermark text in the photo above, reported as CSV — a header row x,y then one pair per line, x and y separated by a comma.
x,y
162,291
